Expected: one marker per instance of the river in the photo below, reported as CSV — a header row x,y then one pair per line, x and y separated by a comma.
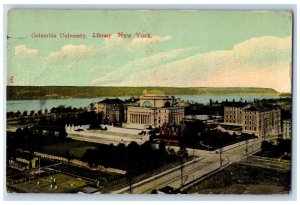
x,y
21,105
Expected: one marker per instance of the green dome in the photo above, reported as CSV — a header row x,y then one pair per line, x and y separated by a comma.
x,y
153,92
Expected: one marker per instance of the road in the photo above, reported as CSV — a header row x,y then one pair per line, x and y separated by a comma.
x,y
208,162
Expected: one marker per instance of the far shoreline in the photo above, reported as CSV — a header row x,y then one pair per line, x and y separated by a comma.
x,y
86,92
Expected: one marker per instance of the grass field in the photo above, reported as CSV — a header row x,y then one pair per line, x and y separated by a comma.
x,y
243,179
63,184
75,148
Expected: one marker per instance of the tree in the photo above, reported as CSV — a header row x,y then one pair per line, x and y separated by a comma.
x,y
53,110
265,145
39,112
17,114
31,113
162,150
62,134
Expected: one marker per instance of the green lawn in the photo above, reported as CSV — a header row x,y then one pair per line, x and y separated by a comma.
x,y
75,148
244,179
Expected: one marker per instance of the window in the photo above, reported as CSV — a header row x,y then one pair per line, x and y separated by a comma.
x,y
147,104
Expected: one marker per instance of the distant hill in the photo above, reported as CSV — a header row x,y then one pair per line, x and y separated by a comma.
x,y
285,94
60,92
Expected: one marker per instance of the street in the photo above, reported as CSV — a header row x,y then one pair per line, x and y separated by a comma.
x,y
208,162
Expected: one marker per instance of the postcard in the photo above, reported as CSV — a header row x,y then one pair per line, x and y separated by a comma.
x,y
149,101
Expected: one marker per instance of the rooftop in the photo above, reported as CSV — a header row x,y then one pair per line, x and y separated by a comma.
x,y
235,104
156,108
197,117
24,155
111,101
89,190
257,108
132,99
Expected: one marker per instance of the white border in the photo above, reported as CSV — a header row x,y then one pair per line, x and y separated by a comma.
x,y
68,197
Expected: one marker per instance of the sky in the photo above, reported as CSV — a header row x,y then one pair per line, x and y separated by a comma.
x,y
186,48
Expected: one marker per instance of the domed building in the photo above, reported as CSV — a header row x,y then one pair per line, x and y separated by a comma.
x,y
155,109
155,98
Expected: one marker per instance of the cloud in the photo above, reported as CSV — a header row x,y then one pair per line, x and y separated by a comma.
x,y
131,68
138,42
256,62
71,53
23,51
74,53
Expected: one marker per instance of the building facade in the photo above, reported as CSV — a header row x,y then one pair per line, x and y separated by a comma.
x,y
111,109
128,103
258,120
233,113
155,109
261,121
287,129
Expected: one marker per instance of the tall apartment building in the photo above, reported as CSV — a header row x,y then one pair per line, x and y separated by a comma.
x,y
258,120
261,121
287,129
233,113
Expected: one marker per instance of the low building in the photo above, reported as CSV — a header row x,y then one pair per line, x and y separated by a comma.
x,y
171,134
287,129
23,160
206,119
154,109
181,103
89,190
112,110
